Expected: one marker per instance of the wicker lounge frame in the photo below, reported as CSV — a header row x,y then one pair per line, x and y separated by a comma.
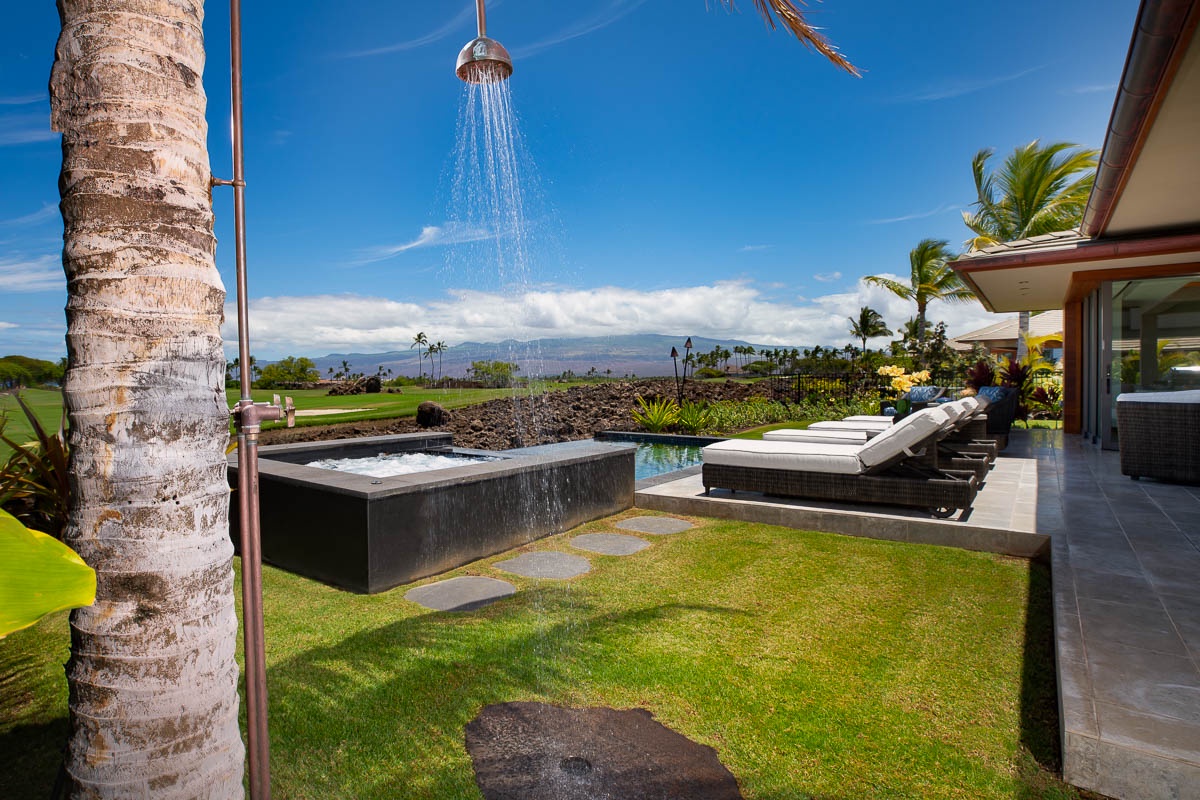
x,y
914,481
1160,439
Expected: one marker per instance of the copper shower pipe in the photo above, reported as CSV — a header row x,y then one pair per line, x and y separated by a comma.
x,y
248,418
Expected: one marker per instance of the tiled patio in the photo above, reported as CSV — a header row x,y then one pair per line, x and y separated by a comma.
x,y
1125,558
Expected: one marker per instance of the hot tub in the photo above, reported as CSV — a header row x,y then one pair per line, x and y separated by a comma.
x,y
369,534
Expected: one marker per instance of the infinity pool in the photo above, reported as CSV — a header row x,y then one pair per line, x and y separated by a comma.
x,y
657,459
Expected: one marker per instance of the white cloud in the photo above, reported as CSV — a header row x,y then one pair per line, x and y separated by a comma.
x,y
456,23
47,211
1095,88
22,100
7,325
42,274
613,11
25,129
447,233
919,215
753,248
316,325
962,87
827,277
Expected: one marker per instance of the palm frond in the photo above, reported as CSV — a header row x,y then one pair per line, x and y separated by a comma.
x,y
792,18
895,287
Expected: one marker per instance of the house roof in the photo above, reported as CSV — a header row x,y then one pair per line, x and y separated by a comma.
x,y
1046,324
1144,210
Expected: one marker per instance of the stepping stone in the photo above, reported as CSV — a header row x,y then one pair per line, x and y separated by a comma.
x,y
557,566
609,544
659,526
460,594
534,751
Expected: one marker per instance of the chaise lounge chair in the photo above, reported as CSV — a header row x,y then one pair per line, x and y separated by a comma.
x,y
896,467
960,450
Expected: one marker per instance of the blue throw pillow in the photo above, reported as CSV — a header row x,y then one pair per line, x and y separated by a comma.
x,y
993,394
923,394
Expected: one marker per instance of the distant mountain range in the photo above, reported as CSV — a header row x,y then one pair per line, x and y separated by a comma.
x,y
643,355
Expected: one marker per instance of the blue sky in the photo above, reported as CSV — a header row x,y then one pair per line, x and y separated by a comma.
x,y
698,174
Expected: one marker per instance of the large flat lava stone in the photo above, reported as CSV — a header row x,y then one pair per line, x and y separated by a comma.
x,y
460,594
557,566
656,525
532,751
609,544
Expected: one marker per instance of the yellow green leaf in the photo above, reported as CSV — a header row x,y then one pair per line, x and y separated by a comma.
x,y
38,575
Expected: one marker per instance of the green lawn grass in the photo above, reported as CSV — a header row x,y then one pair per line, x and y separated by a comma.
x,y
757,433
375,406
818,666
47,406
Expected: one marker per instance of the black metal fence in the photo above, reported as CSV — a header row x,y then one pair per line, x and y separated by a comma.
x,y
815,386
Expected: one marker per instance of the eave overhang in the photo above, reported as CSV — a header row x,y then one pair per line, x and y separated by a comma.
x,y
1039,278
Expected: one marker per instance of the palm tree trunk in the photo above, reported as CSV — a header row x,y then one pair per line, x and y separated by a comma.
x,y
152,673
1022,335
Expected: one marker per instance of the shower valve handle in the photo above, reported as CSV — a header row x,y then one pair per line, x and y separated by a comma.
x,y
287,409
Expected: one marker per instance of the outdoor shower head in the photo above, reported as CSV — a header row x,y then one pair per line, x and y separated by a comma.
x,y
483,60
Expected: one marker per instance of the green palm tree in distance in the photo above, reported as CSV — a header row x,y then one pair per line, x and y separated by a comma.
x,y
930,279
1037,190
420,341
868,325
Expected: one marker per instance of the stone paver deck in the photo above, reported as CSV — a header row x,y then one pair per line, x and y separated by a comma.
x,y
1126,574
1125,558
1003,519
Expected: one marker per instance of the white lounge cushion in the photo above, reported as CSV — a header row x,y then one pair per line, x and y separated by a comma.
x,y
843,425
1189,397
838,459
954,409
972,404
885,420
817,437
903,438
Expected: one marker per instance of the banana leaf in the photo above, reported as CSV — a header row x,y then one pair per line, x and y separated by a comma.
x,y
38,575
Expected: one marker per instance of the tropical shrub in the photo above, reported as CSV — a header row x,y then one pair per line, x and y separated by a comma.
x,y
902,382
34,485
290,370
1047,400
1016,376
980,374
657,414
694,418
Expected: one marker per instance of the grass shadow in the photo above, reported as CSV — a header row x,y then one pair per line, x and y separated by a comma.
x,y
436,671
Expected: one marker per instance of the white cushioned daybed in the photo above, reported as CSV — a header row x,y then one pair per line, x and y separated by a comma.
x,y
898,467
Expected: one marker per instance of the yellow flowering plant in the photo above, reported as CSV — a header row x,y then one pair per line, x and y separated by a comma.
x,y
902,382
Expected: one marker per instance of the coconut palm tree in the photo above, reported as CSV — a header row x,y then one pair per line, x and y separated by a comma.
x,y
419,341
152,675
440,348
930,279
868,325
1037,190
